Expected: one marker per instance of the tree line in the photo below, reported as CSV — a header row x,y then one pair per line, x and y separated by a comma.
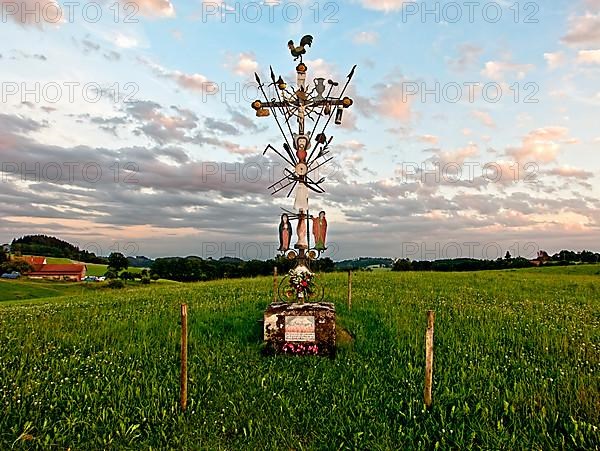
x,y
562,258
193,269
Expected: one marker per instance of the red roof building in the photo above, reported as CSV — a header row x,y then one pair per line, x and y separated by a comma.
x,y
59,272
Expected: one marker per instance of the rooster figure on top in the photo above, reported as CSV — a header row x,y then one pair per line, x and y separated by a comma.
x,y
304,151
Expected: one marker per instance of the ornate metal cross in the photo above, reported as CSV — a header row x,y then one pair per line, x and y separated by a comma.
x,y
304,151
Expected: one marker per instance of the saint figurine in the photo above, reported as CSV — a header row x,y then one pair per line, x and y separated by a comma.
x,y
285,233
301,231
320,231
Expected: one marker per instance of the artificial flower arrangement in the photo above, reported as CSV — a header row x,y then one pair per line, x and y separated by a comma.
x,y
302,283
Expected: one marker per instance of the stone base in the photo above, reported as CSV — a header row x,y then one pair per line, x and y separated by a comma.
x,y
300,329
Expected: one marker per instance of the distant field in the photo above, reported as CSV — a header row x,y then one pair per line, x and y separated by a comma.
x,y
517,366
577,270
94,269
28,289
57,261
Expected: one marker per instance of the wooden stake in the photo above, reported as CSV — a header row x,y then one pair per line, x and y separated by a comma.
x,y
429,358
350,290
275,284
184,337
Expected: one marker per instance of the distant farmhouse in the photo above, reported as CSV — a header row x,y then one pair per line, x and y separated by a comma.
x,y
73,272
42,270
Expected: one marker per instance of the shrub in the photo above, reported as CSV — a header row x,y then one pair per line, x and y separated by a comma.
x,y
16,265
126,275
115,283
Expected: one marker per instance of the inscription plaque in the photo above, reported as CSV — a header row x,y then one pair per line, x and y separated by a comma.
x,y
299,328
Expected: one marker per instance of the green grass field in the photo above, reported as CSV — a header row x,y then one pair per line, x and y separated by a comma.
x,y
58,261
517,366
28,289
24,288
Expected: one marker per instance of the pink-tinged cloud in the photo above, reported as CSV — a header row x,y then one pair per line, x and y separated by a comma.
x,y
458,156
485,118
243,64
321,68
32,12
430,139
499,70
588,57
570,172
583,30
540,146
154,8
353,145
393,101
192,82
554,60
385,5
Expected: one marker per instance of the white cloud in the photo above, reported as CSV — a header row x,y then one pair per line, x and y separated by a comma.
x,y
554,60
319,68
124,41
498,70
243,64
366,37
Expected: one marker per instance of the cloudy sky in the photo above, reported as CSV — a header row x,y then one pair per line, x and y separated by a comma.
x,y
127,125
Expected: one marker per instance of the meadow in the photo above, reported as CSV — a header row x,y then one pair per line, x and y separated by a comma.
x,y
23,288
517,366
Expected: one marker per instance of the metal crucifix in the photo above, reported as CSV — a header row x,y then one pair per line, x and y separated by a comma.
x,y
305,152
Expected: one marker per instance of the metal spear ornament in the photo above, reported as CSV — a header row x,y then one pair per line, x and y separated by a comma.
x,y
305,150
